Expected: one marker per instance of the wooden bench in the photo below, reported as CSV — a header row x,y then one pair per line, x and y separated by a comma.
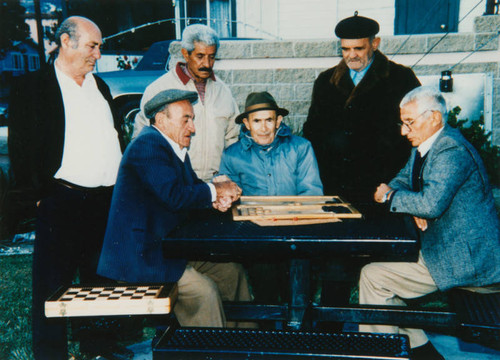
x,y
235,344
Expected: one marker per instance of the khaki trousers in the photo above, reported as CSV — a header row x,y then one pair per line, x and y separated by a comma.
x,y
202,288
388,284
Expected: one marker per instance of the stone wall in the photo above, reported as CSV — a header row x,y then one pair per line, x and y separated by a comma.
x,y
287,69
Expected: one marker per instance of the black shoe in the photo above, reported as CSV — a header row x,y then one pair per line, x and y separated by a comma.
x,y
425,352
111,351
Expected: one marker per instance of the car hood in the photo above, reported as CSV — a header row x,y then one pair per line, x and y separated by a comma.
x,y
129,82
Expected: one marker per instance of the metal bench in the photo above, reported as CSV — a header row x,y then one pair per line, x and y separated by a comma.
x,y
236,344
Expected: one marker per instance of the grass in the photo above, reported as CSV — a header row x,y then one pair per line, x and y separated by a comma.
x,y
15,307
15,311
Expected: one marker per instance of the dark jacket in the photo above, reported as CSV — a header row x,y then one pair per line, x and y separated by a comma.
x,y
152,194
461,246
36,130
354,130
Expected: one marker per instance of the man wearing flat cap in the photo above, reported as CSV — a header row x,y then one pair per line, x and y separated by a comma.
x,y
155,189
269,160
353,120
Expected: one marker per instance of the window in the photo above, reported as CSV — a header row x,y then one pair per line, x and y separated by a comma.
x,y
219,13
426,16
34,62
17,61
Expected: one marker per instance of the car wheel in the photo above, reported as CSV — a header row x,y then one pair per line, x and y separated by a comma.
x,y
126,112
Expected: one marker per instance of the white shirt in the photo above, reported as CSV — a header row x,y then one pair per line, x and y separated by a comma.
x,y
91,153
181,154
426,145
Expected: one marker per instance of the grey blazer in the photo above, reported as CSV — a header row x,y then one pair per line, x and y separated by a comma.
x,y
461,245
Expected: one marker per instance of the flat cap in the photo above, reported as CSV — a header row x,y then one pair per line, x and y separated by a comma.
x,y
356,27
167,97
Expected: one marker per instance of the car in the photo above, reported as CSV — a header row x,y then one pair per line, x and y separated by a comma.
x,y
127,86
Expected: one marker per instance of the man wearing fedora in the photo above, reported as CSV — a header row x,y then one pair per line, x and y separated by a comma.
x,y
269,160
353,127
155,189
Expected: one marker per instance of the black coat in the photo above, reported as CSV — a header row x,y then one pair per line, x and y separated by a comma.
x,y
354,130
36,130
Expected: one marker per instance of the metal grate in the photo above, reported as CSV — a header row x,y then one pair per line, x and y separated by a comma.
x,y
280,343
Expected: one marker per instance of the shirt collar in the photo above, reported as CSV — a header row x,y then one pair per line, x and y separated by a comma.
x,y
185,76
359,75
181,153
63,77
426,145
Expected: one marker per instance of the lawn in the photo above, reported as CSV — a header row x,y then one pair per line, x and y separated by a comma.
x,y
15,307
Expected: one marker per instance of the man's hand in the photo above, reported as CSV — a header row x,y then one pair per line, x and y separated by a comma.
x,y
227,193
381,191
220,178
421,223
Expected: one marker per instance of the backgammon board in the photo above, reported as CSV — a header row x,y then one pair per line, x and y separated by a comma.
x,y
293,208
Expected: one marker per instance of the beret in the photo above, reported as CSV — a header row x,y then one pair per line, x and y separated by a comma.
x,y
356,27
167,97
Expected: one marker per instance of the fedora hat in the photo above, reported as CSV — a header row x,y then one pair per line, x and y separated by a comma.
x,y
260,101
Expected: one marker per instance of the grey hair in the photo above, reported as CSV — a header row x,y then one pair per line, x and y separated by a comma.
x,y
199,33
427,98
164,109
70,27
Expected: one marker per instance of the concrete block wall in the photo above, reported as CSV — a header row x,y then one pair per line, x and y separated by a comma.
x,y
290,67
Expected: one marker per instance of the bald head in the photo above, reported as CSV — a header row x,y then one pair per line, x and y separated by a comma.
x,y
80,43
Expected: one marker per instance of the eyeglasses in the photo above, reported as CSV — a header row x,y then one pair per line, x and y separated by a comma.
x,y
407,125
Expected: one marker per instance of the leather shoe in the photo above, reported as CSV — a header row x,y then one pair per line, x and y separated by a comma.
x,y
425,352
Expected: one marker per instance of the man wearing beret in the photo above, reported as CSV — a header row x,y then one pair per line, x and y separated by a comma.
x,y
353,121
155,189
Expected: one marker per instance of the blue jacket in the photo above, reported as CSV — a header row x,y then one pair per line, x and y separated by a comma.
x,y
461,245
153,191
287,166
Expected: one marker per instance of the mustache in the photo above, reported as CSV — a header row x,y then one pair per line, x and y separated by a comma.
x,y
207,69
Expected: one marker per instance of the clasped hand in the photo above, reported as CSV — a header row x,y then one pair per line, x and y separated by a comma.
x,y
227,193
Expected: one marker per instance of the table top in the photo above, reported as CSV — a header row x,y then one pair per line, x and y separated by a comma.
x,y
212,234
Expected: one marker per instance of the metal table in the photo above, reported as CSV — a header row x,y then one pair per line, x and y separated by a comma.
x,y
216,237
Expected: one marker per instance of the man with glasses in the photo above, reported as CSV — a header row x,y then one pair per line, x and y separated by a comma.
x,y
441,186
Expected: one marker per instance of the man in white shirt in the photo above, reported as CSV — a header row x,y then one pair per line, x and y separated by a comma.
x,y
443,183
65,149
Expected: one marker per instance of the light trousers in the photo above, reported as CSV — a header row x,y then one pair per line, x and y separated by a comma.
x,y
387,283
202,288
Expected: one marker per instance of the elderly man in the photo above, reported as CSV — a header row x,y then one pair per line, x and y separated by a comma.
x,y
65,152
156,187
268,159
352,121
352,125
443,184
216,110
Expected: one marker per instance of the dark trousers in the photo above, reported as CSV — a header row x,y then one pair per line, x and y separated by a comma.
x,y
69,234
